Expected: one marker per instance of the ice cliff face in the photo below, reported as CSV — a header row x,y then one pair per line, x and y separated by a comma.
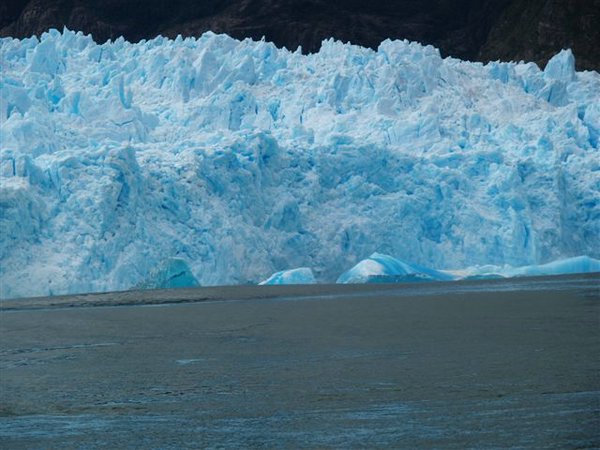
x,y
241,160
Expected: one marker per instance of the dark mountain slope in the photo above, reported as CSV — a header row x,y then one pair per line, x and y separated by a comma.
x,y
469,29
534,30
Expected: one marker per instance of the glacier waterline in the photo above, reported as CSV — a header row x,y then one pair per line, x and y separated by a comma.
x,y
242,159
170,273
379,268
301,275
578,264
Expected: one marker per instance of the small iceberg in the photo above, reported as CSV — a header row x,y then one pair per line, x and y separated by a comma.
x,y
577,264
302,275
381,268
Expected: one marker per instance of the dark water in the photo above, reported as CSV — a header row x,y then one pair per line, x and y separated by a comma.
x,y
485,364
587,284
549,421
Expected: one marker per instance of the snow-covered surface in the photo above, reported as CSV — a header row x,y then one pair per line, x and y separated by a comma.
x,y
380,268
242,159
302,275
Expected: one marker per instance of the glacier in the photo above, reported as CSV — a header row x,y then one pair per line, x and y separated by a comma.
x,y
241,159
301,275
169,273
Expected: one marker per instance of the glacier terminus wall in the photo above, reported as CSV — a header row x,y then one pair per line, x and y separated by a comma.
x,y
240,159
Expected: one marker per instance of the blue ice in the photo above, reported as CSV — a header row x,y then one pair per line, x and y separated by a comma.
x,y
302,275
241,159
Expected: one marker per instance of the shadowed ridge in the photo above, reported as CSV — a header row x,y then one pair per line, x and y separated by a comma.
x,y
485,30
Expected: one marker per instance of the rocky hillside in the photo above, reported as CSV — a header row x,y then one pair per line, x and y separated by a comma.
x,y
483,30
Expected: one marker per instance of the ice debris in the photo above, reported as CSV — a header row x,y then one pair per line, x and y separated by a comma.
x,y
302,275
242,158
380,268
579,264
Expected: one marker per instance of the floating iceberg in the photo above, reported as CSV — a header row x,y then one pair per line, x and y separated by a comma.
x,y
242,158
579,264
302,275
380,268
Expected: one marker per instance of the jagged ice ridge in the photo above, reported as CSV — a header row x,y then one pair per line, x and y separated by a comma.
x,y
241,159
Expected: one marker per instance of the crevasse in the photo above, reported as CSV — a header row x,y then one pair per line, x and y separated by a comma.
x,y
241,159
